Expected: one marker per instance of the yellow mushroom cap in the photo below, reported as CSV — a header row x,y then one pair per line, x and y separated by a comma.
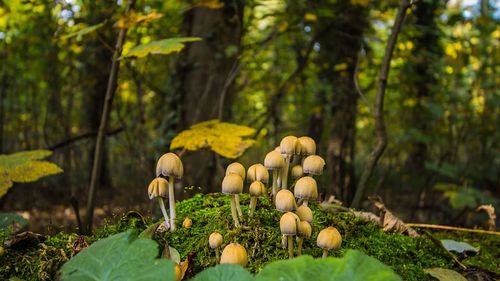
x,y
236,168
232,184
304,213
187,223
257,172
178,272
215,240
257,188
274,160
288,224
304,229
329,239
234,253
297,172
290,145
168,165
313,165
158,188
285,202
307,146
306,188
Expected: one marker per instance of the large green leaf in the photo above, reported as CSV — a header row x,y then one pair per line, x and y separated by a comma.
x,y
161,47
122,257
224,272
24,167
353,266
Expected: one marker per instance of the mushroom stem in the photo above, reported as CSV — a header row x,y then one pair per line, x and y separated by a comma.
x,y
275,183
325,253
164,212
284,176
283,241
305,202
171,202
299,246
217,256
253,203
238,208
233,211
290,246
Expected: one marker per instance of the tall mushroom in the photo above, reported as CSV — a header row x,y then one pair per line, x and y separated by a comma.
x,y
307,146
169,165
313,165
233,184
215,241
258,172
285,201
289,146
158,189
306,189
256,189
304,230
329,239
274,161
288,227
237,168
234,253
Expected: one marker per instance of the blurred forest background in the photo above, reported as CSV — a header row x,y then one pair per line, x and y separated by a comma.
x,y
281,67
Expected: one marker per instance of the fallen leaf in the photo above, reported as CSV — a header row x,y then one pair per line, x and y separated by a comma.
x,y
24,240
492,217
443,274
79,245
463,249
389,221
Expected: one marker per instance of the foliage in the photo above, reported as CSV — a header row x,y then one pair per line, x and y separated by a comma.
x,y
159,47
122,256
464,196
458,247
223,138
83,31
443,274
11,219
24,167
224,272
134,18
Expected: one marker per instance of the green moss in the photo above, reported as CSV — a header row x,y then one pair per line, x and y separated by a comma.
x,y
261,237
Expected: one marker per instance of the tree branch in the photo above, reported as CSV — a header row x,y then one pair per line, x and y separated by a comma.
x,y
379,104
81,137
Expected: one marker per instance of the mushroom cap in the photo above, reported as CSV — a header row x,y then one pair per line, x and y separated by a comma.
x,y
314,165
304,213
304,229
232,184
329,239
178,272
306,188
236,168
285,202
257,172
290,145
158,188
288,224
234,253
297,172
215,240
257,189
168,165
187,223
307,146
274,160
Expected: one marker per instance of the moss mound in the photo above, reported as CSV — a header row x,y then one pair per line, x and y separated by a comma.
x,y
261,237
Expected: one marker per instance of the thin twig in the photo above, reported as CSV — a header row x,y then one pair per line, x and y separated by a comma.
x,y
445,227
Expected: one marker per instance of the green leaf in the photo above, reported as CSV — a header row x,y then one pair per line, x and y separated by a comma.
x,y
458,247
444,274
353,266
224,272
162,47
122,257
84,31
9,219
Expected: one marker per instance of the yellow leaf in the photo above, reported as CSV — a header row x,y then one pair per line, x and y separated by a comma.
x,y
310,17
225,139
363,3
162,47
135,19
340,66
210,4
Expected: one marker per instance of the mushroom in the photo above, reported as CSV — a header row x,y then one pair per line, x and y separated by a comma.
x,y
178,272
256,189
304,213
237,168
288,227
304,230
258,172
307,146
297,172
234,253
289,146
187,223
169,165
233,184
285,201
274,161
215,241
313,165
329,239
158,189
306,189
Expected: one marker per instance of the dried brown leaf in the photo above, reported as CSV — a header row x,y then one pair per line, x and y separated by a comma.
x,y
492,217
390,222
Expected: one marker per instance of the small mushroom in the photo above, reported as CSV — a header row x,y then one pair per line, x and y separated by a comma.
x,y
304,230
297,172
169,165
288,227
215,241
187,223
234,253
285,201
237,168
304,213
306,189
233,184
256,189
258,172
307,146
158,189
274,161
313,165
289,146
329,239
